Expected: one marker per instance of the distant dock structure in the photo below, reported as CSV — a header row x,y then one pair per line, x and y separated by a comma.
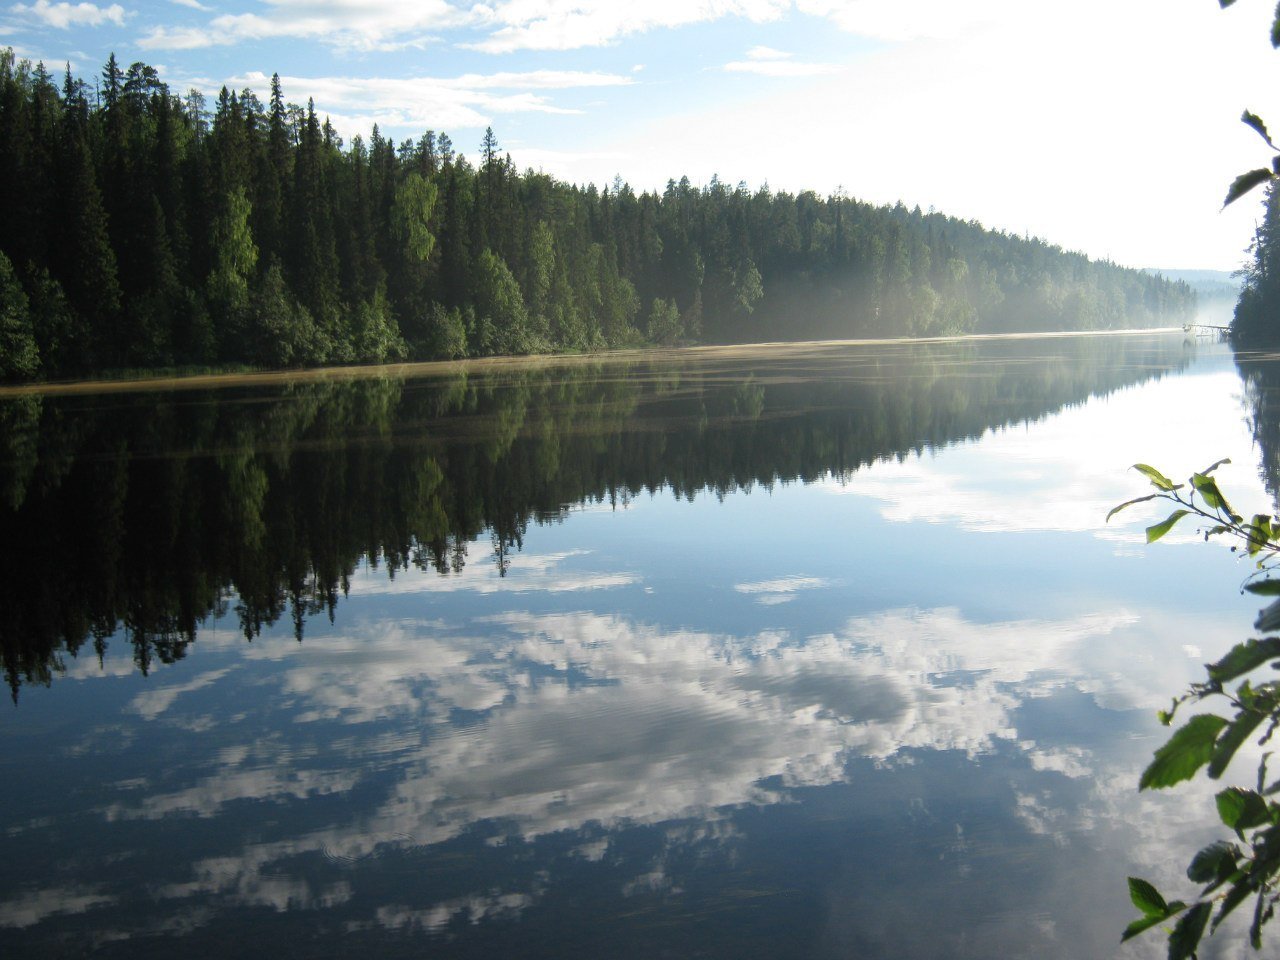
x,y
1206,330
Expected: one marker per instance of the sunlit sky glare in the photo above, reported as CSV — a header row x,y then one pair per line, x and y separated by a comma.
x,y
1108,126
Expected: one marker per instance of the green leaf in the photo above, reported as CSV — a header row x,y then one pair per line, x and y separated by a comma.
x,y
1246,182
1156,477
1275,29
1141,924
1264,588
1245,723
1130,503
1147,898
1244,657
1235,895
1186,935
1242,809
1186,752
1268,618
1260,533
1158,530
1214,864
1166,716
1254,121
1225,3
1207,487
1262,913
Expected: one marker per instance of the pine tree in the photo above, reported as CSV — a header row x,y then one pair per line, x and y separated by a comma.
x,y
19,356
84,261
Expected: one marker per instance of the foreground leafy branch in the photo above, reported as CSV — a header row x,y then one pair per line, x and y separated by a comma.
x,y
1256,178
1248,868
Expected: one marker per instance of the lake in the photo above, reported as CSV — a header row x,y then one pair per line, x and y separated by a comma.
x,y
818,650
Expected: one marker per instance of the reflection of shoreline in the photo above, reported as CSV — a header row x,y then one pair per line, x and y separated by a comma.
x,y
782,349
153,515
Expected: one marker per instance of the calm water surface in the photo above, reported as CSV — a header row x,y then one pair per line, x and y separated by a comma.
x,y
824,652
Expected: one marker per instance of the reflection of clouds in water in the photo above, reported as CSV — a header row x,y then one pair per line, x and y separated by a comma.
x,y
208,797
247,880
1073,467
87,667
580,720
781,590
668,724
30,908
525,573
474,909
152,703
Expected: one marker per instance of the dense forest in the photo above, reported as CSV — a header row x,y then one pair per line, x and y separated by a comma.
x,y
1255,323
146,229
143,514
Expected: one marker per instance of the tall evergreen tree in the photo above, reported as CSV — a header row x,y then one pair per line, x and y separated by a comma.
x,y
19,356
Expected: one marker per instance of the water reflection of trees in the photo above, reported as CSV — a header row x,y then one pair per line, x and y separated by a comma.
x,y
1262,400
148,514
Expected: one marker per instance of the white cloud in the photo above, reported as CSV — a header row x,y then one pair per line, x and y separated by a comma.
x,y
475,908
233,783
66,15
555,24
676,724
570,24
469,101
526,573
782,589
538,80
366,25
768,62
539,159
895,20
155,702
1073,468
782,68
29,909
245,880
193,4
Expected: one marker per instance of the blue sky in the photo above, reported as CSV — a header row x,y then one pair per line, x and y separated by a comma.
x,y
1110,127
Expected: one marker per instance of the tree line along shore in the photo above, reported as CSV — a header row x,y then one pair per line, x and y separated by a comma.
x,y
145,229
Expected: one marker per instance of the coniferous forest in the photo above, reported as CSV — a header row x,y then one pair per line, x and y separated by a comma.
x,y
1254,324
144,229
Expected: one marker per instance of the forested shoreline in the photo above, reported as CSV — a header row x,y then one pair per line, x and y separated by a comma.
x,y
147,230
1254,324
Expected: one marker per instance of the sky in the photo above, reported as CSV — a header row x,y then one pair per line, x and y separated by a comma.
x,y
1107,126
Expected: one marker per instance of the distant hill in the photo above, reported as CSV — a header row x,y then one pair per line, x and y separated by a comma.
x,y
1208,284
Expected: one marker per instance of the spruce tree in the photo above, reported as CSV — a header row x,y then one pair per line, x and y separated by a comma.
x,y
19,356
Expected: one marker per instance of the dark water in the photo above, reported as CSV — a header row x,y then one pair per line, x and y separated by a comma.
x,y
825,652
